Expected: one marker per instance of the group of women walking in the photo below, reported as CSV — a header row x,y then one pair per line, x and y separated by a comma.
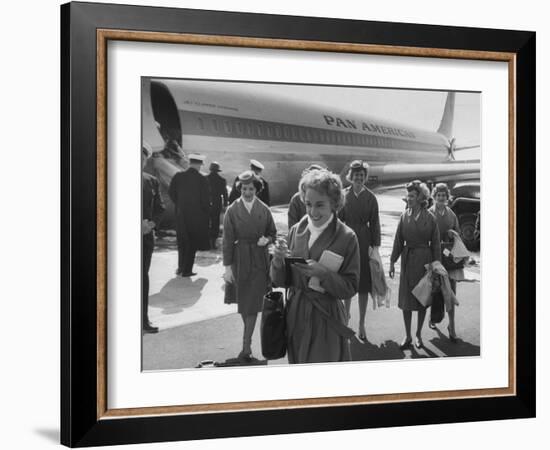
x,y
340,225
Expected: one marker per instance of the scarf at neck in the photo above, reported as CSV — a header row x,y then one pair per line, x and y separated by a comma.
x,y
315,232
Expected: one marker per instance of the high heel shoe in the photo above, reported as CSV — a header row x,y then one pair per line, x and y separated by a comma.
x,y
418,343
405,344
362,335
452,336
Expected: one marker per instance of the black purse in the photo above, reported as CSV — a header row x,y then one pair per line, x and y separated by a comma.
x,y
273,326
437,311
448,261
230,294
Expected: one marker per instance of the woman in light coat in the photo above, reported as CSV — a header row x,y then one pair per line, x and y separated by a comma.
x,y
316,318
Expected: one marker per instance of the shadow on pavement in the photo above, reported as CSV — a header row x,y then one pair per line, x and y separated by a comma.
x,y
423,352
370,352
458,348
178,294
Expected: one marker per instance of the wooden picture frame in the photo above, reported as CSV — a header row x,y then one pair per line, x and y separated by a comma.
x,y
85,416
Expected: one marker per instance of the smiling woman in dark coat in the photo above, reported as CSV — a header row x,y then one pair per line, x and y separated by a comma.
x,y
248,229
417,244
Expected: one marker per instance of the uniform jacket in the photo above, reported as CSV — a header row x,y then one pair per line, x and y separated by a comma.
x,y
152,204
360,213
417,244
218,190
296,210
249,262
190,193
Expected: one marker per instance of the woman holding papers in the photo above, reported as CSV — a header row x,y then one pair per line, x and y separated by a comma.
x,y
248,228
316,318
449,228
417,244
360,213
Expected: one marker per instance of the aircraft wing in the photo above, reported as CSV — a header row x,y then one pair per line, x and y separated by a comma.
x,y
395,174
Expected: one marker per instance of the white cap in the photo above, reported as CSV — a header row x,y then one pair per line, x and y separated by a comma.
x,y
196,157
257,164
146,147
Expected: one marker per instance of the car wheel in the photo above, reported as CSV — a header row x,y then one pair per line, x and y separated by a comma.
x,y
468,231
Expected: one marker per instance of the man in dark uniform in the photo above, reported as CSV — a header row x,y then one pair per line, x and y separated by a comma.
x,y
190,193
152,209
218,199
257,168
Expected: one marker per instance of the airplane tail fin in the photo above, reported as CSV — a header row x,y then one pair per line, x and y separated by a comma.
x,y
446,125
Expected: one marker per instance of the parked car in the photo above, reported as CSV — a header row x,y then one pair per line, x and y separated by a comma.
x,y
465,201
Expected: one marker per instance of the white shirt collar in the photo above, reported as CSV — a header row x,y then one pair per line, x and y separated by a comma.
x,y
248,205
315,232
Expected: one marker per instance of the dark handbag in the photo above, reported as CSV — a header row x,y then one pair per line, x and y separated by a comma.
x,y
448,261
230,294
273,327
437,311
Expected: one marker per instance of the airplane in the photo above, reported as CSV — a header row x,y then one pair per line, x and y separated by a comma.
x,y
229,124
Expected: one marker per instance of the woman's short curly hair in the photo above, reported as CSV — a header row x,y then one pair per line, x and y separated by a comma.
x,y
422,190
441,187
326,183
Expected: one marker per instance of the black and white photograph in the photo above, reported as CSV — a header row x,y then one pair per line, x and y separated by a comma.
x,y
300,223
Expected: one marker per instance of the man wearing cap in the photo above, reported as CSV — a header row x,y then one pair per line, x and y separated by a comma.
x,y
151,212
256,167
190,193
218,199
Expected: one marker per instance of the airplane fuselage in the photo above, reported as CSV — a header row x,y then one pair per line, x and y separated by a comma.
x,y
228,124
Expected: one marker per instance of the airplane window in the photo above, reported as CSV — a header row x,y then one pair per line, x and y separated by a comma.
x,y
249,129
286,132
315,135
